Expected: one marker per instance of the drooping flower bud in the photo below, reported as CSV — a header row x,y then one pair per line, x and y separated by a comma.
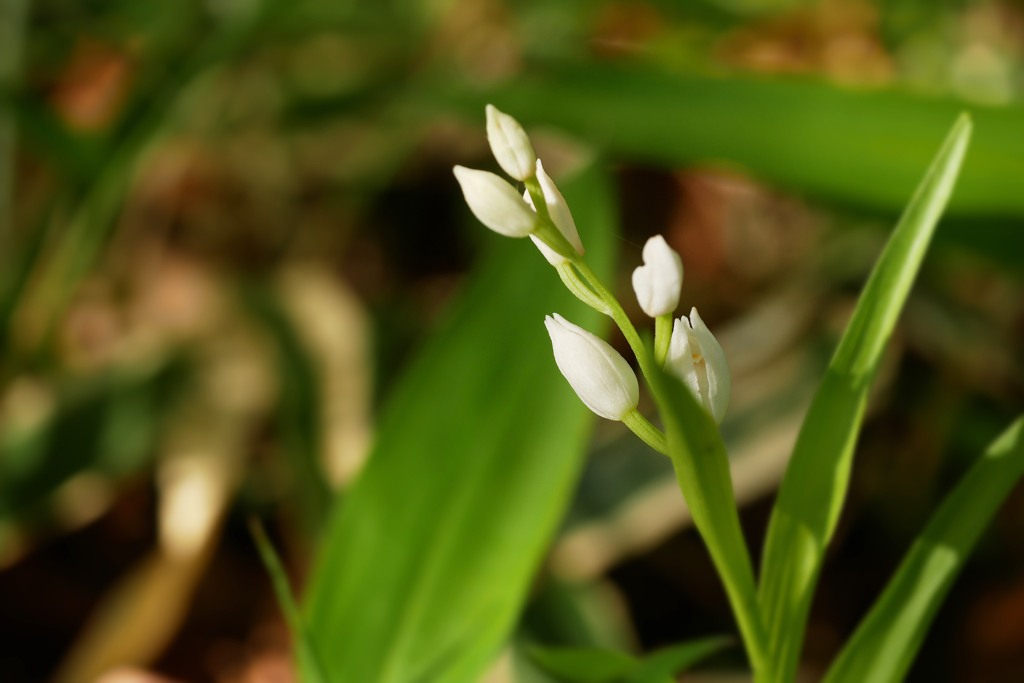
x,y
560,216
510,144
495,202
657,283
597,373
696,357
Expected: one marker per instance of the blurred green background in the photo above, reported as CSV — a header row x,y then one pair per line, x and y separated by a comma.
x,y
233,257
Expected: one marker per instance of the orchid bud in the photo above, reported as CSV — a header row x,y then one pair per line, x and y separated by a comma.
x,y
696,357
560,216
496,203
597,373
658,281
510,144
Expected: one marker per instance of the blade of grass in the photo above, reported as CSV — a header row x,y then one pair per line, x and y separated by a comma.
x,y
702,469
814,487
309,663
426,563
885,643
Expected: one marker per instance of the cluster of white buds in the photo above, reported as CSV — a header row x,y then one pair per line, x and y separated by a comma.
x,y
600,376
694,355
497,204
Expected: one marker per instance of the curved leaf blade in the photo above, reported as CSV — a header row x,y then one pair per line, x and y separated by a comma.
x,y
702,469
884,645
427,561
815,483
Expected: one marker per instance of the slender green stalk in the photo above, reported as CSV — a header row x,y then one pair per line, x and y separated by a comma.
x,y
718,526
650,434
662,338
579,288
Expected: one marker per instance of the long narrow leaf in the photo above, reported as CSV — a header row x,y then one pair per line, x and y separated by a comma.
x,y
886,642
309,663
702,469
814,487
428,560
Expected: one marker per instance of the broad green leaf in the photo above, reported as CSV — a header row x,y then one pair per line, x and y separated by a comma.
x,y
583,664
663,665
429,557
702,469
310,665
886,642
814,487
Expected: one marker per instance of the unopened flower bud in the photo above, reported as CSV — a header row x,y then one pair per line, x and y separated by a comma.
x,y
496,203
510,144
597,373
560,216
696,357
657,283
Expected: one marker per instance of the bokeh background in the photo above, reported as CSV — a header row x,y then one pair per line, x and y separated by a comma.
x,y
227,226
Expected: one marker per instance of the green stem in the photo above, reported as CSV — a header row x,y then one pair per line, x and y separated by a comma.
x,y
579,288
650,434
619,316
662,338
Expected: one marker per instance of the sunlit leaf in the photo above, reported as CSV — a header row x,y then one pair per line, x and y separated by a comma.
x,y
426,563
814,487
886,642
702,469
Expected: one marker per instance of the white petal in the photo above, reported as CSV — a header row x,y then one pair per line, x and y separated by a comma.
x,y
657,283
495,202
597,373
719,383
558,209
552,256
510,144
680,357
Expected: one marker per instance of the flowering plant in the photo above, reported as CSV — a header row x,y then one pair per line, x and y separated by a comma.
x,y
687,374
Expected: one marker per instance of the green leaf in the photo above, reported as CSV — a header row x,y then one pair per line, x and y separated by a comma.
x,y
664,664
702,470
814,487
309,663
427,562
583,664
886,642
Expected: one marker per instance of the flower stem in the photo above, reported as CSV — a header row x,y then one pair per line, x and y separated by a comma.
x,y
579,288
662,338
650,434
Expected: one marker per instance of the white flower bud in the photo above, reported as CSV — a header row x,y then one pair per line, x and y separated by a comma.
x,y
510,144
696,357
597,373
658,281
560,216
496,203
